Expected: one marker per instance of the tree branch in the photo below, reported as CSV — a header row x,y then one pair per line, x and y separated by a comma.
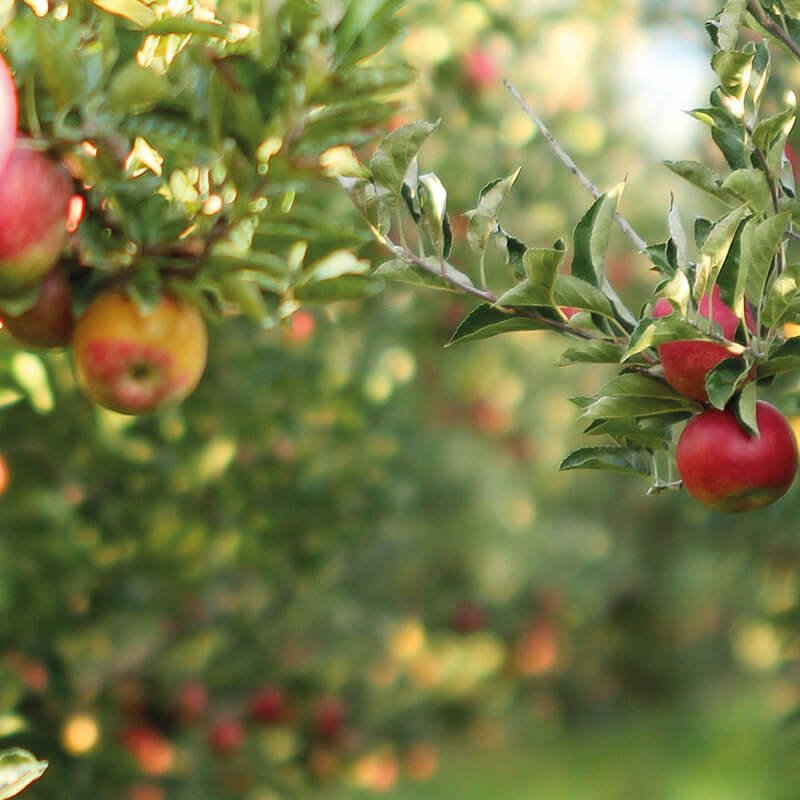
x,y
570,164
772,27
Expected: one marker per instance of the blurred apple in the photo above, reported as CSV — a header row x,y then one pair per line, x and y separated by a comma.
x,y
136,362
269,706
8,112
49,322
226,735
479,68
35,192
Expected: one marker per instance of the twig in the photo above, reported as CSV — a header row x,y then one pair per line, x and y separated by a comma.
x,y
769,25
567,160
409,256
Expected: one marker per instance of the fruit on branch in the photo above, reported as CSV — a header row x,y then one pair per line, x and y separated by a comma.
x,y
136,362
686,363
728,469
35,193
49,322
330,716
8,112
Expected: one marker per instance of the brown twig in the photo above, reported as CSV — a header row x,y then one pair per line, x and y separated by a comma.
x,y
772,27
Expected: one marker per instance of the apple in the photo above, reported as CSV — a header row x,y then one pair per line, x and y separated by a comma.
x,y
726,468
687,363
329,718
49,322
35,194
226,735
192,700
8,112
135,362
479,69
152,751
468,617
269,706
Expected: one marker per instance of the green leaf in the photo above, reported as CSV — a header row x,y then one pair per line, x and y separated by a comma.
x,y
134,11
396,152
402,272
591,236
541,265
617,459
372,201
651,333
723,381
759,243
784,358
715,248
727,132
592,352
702,177
488,320
483,218
433,208
568,291
749,186
338,276
678,235
783,298
733,68
730,21
746,408
355,20
774,129
18,769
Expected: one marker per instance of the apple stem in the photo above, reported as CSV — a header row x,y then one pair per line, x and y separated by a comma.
x,y
569,163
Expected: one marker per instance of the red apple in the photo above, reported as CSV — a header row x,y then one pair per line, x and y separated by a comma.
x,y
226,735
268,705
134,362
727,469
479,69
49,322
35,194
192,700
687,363
8,113
329,718
154,753
468,618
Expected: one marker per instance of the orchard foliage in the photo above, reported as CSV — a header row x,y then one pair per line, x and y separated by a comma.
x,y
744,254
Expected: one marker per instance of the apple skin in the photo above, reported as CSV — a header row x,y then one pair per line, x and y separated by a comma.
x,y
136,363
686,364
35,194
727,469
226,735
8,113
269,707
49,322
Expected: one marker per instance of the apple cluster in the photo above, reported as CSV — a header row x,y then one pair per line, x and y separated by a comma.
x,y
125,358
720,462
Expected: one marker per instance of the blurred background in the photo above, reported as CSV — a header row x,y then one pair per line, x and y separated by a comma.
x,y
349,565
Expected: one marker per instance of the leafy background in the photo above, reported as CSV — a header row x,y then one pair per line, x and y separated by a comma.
x,y
342,499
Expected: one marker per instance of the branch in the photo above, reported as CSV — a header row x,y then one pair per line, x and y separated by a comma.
x,y
567,160
409,256
769,25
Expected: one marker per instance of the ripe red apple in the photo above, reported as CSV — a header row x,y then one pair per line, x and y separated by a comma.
x,y
154,753
226,735
35,194
727,469
269,706
134,362
49,322
8,113
687,363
